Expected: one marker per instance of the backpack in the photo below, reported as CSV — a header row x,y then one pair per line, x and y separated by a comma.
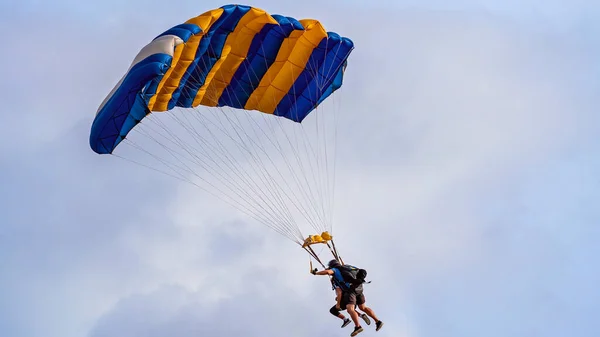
x,y
351,277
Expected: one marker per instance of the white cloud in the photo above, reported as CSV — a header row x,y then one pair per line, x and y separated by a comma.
x,y
478,109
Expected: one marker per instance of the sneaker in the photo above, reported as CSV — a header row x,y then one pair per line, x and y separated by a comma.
x,y
378,325
356,331
366,319
346,322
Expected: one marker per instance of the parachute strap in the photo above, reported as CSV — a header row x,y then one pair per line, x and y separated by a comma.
x,y
335,252
312,253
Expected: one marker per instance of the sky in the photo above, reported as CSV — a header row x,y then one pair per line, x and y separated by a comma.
x,y
466,181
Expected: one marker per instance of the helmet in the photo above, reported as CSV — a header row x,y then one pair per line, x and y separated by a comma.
x,y
333,264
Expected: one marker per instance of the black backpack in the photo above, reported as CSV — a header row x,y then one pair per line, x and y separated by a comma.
x,y
353,276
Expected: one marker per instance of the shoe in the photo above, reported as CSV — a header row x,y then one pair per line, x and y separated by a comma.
x,y
356,331
346,322
366,319
378,325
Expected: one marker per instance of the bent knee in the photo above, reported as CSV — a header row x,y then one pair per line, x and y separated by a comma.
x,y
334,311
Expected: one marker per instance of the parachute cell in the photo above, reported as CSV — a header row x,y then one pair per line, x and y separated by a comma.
x,y
235,56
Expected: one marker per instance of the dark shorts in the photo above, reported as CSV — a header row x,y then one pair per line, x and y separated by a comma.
x,y
352,298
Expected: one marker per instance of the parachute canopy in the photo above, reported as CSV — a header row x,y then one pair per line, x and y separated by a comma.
x,y
236,56
224,79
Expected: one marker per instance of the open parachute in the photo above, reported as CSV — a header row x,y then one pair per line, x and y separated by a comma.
x,y
236,85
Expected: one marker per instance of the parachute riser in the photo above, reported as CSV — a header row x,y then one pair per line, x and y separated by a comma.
x,y
324,238
314,255
335,250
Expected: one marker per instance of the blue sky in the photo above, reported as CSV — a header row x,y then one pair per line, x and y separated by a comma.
x,y
466,182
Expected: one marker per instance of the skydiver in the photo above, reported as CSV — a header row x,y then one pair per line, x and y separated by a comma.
x,y
335,310
352,295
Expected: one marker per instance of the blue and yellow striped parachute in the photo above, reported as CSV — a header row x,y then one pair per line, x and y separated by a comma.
x,y
236,56
233,61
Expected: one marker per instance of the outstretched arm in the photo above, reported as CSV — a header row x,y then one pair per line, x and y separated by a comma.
x,y
323,272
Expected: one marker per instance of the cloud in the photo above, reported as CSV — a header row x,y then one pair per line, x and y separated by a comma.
x,y
263,309
466,106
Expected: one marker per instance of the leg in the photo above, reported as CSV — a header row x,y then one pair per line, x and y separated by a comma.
x,y
353,314
357,328
335,312
368,311
350,305
349,301
360,301
363,316
361,304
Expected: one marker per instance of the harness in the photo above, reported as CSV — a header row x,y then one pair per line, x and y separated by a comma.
x,y
343,283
